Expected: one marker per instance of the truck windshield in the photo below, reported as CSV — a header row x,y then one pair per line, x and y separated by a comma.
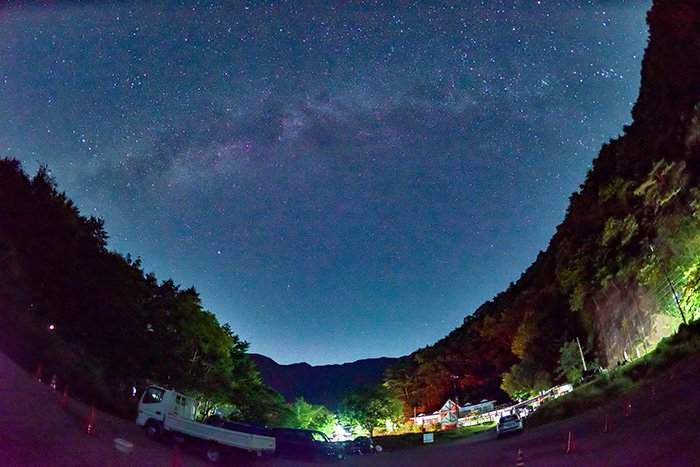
x,y
153,396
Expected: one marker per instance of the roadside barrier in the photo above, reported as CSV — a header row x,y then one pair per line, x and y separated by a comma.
x,y
90,422
606,428
570,444
628,409
521,461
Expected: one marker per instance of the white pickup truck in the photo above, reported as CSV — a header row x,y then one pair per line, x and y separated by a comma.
x,y
164,410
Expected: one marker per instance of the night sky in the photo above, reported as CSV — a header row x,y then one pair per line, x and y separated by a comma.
x,y
338,180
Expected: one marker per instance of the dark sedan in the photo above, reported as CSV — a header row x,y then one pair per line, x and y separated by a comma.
x,y
360,445
305,444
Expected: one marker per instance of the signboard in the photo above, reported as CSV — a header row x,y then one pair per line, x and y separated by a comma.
x,y
428,438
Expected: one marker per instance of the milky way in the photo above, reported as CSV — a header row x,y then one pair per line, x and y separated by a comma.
x,y
338,180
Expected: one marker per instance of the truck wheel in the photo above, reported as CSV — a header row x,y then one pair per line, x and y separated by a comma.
x,y
214,452
154,429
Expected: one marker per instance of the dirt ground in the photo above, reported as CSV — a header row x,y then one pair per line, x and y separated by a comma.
x,y
660,428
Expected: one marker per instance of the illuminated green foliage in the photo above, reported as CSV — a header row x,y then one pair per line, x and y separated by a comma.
x,y
690,301
313,417
570,365
370,407
525,379
619,230
665,180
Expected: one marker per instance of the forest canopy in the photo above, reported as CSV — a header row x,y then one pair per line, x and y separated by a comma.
x,y
100,323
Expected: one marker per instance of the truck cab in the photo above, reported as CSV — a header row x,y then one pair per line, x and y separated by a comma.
x,y
157,402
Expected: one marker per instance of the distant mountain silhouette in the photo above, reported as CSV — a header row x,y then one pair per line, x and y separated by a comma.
x,y
323,384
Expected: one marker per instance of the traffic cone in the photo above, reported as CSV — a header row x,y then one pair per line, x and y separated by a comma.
x,y
38,373
90,423
570,444
64,397
521,461
177,460
53,383
628,409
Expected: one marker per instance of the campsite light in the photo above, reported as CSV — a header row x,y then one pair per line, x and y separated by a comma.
x,y
341,434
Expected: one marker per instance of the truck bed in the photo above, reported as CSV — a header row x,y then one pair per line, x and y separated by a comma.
x,y
247,441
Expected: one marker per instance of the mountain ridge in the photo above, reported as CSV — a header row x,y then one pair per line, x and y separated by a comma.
x,y
320,384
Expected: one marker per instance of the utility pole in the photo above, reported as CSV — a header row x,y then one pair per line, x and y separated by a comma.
x,y
454,386
670,284
580,350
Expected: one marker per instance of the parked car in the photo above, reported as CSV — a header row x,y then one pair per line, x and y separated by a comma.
x,y
305,444
509,424
360,445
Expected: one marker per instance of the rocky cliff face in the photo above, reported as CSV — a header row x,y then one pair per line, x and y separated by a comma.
x,y
659,155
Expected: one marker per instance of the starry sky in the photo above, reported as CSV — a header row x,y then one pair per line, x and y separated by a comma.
x,y
339,180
